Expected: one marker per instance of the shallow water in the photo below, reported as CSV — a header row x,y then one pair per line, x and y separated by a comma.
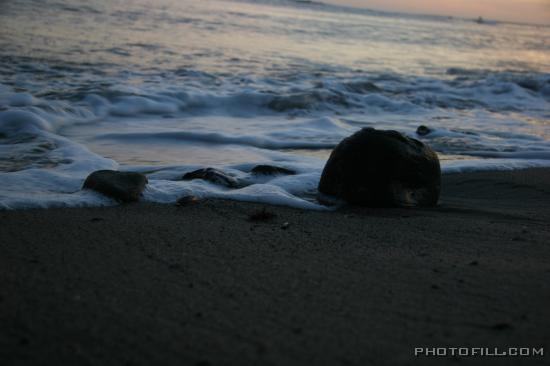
x,y
168,87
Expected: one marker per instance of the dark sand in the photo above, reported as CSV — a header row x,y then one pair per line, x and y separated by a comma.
x,y
145,284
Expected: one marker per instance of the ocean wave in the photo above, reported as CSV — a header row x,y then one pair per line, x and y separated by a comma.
x,y
523,92
42,169
302,92
219,138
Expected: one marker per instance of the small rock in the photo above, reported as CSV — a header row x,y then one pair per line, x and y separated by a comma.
x,y
187,200
530,84
285,225
363,87
261,215
501,326
122,186
213,175
271,170
423,130
473,263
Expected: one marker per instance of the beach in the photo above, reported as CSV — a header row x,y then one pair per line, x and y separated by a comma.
x,y
246,139
202,284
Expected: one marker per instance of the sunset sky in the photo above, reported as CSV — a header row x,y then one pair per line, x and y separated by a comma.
x,y
532,11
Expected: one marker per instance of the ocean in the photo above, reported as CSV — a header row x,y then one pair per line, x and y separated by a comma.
x,y
170,86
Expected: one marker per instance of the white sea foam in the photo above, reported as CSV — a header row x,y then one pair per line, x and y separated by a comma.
x,y
463,166
48,170
170,191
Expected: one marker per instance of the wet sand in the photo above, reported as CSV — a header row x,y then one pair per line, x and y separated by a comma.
x,y
148,284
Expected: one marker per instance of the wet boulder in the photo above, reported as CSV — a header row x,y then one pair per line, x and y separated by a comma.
x,y
380,168
122,186
271,170
213,175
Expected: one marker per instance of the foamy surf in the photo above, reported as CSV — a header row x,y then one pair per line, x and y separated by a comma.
x,y
275,83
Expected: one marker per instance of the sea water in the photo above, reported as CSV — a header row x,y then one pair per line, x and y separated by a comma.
x,y
169,86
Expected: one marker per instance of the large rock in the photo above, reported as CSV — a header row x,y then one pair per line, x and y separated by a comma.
x,y
382,168
122,186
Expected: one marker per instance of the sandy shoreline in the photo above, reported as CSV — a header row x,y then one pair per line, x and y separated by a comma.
x,y
201,284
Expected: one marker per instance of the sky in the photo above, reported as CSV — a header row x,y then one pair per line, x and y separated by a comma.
x,y
530,11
